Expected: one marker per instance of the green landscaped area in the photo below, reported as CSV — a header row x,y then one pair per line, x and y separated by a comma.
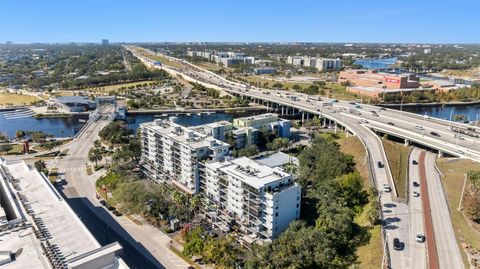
x,y
453,179
116,87
334,90
369,255
13,99
210,66
11,149
397,155
338,91
285,84
161,59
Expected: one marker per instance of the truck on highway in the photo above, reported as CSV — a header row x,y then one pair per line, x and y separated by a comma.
x,y
314,98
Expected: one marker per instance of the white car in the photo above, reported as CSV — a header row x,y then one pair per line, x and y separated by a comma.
x,y
420,238
364,121
418,127
416,194
386,188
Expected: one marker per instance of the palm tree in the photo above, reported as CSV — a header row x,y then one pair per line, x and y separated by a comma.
x,y
94,155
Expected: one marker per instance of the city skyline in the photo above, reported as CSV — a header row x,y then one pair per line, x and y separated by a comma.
x,y
373,21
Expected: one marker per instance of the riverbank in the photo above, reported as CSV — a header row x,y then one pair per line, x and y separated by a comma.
x,y
197,110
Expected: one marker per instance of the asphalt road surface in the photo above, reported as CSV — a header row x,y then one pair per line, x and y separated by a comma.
x,y
447,247
417,250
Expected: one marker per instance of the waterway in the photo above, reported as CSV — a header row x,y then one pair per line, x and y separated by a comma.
x,y
376,63
67,127
470,112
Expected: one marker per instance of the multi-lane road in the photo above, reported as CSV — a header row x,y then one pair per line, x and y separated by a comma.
x,y
401,220
447,248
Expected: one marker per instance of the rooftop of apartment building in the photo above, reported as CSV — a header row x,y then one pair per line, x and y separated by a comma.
x,y
260,116
250,171
40,224
182,134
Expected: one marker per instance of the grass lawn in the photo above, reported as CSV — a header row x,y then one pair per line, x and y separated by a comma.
x,y
210,66
10,149
369,255
397,155
338,91
116,87
453,171
285,84
353,146
16,99
161,59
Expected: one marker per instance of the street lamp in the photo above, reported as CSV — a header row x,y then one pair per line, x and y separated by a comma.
x,y
450,121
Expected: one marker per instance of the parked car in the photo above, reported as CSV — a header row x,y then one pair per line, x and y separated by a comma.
x,y
415,184
414,162
416,194
117,213
391,123
418,127
435,134
380,164
420,238
111,208
386,188
103,202
397,244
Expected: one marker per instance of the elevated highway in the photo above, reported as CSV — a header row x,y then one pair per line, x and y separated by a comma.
x,y
365,121
413,128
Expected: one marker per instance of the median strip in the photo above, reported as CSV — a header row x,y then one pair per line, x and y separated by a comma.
x,y
432,255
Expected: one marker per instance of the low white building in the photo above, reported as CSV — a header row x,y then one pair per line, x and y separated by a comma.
x,y
38,229
172,153
259,200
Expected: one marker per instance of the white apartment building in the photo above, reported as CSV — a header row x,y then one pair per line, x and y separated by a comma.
x,y
172,153
241,193
309,62
328,64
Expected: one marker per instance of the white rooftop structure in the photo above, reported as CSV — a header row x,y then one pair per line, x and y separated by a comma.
x,y
253,173
39,221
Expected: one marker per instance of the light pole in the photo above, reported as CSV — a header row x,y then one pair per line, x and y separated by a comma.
x,y
423,127
463,191
450,120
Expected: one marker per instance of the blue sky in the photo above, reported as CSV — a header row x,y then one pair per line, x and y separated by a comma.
x,y
426,21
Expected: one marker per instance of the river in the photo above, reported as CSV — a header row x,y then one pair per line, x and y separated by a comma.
x,y
67,127
376,63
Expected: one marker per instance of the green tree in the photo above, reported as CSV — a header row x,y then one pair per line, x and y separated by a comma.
x,y
40,166
350,188
94,155
20,134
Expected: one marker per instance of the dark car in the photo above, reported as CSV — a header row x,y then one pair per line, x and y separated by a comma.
x,y
415,184
391,123
102,202
414,162
117,213
397,245
111,208
435,134
380,164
